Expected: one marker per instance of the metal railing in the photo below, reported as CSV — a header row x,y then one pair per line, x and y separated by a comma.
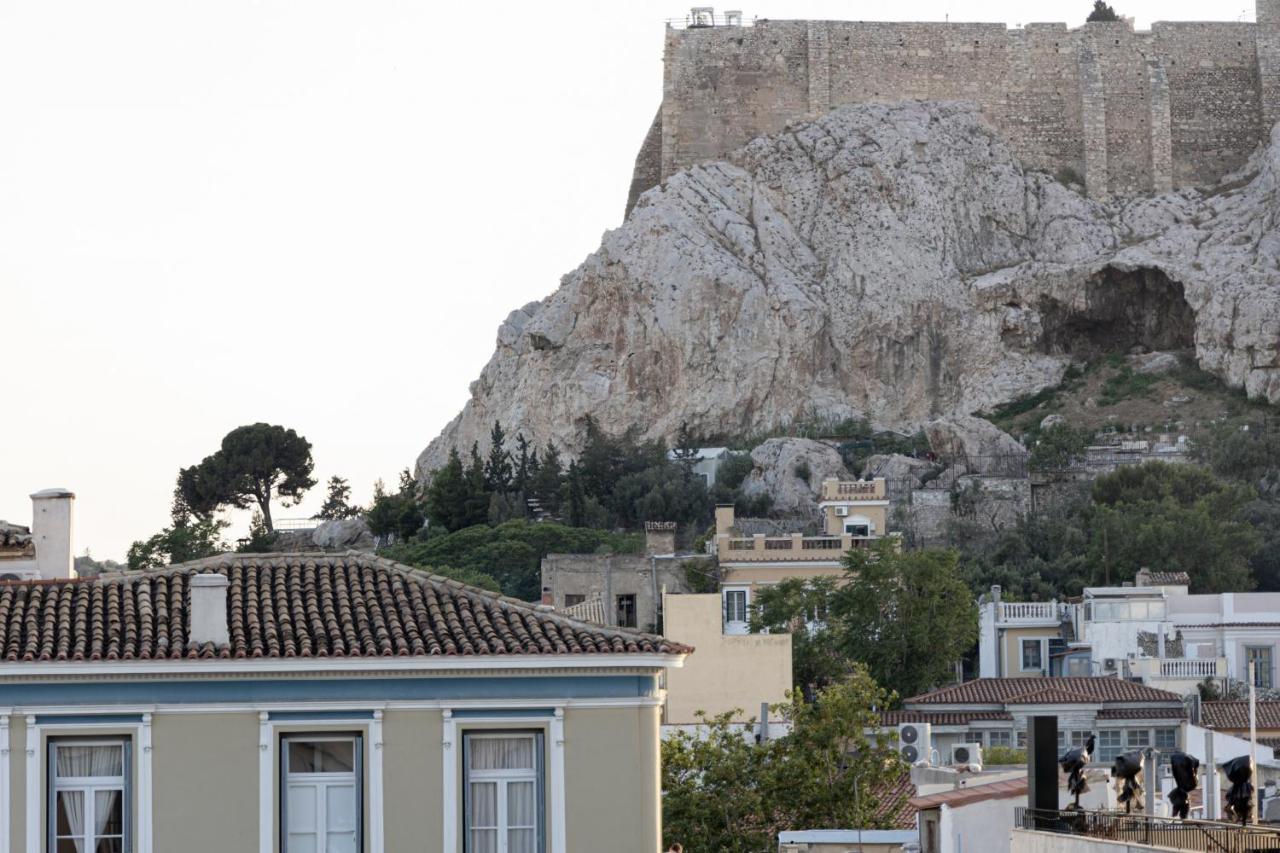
x,y
1194,835
282,524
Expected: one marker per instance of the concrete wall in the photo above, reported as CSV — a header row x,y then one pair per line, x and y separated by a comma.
x,y
1128,111
979,826
201,759
1012,649
725,672
613,785
1025,841
611,575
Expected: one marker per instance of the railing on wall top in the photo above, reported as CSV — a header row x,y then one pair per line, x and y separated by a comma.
x,y
1136,829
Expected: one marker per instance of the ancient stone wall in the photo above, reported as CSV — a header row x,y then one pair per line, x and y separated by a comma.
x,y
1126,112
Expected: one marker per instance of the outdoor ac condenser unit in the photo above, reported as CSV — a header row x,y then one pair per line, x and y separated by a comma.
x,y
842,511
915,742
966,754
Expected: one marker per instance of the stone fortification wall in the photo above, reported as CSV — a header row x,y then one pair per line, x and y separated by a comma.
x,y
1124,111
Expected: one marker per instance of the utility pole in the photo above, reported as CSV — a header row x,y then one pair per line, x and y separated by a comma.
x,y
1253,737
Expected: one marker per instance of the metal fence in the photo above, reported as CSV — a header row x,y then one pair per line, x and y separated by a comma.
x,y
1196,835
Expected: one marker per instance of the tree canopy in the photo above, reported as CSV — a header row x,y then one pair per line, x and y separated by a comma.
x,y
254,465
337,503
188,537
1102,12
724,792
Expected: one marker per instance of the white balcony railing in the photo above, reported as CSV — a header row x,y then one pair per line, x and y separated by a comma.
x,y
1192,668
1030,611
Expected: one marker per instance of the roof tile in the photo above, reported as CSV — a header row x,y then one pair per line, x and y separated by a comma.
x,y
999,691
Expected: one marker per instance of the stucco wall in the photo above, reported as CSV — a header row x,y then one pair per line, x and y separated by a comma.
x,y
725,672
1012,650
612,785
199,760
1024,841
411,766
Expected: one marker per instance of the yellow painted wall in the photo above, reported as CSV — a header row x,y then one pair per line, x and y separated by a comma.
x,y
199,760
411,768
774,574
607,809
17,782
724,672
1012,651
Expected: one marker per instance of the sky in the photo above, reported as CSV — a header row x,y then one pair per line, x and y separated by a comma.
x,y
309,213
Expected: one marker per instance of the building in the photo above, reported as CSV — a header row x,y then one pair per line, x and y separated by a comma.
x,y
1153,630
731,673
628,587
1124,715
1231,716
319,702
706,461
1119,110
42,550
894,815
853,515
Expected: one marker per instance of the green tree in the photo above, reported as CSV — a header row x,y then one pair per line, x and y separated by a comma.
x,y
799,607
1102,12
907,615
447,494
188,537
255,464
476,505
723,792
497,468
337,504
399,514
548,480
1058,447
526,465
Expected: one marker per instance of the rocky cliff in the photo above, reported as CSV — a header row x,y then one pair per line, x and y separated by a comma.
x,y
888,261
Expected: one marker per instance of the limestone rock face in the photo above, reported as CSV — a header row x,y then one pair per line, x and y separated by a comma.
x,y
781,466
975,446
888,261
344,533
902,471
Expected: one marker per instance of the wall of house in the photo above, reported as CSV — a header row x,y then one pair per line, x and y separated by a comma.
x,y
613,785
201,759
1012,650
980,826
611,575
1126,111
1027,841
726,672
876,515
767,573
411,767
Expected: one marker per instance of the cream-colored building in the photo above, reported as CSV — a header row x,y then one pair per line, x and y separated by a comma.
x,y
730,673
44,549
854,514
322,703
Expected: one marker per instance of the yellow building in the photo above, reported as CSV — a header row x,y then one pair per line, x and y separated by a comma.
x,y
316,702
854,514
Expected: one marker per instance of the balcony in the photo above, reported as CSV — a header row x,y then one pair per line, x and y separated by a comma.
x,y
794,548
1046,613
854,490
1156,670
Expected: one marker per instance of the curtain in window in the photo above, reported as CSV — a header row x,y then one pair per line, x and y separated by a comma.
x,y
501,753
522,817
71,818
484,817
83,761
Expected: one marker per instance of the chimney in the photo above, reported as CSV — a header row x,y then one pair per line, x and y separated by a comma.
x,y
659,537
208,613
51,512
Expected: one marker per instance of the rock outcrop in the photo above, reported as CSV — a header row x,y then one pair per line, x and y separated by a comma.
x,y
790,471
888,261
970,445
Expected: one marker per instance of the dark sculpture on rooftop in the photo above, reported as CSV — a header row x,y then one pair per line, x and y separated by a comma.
x,y
1127,772
1185,769
1073,763
1239,797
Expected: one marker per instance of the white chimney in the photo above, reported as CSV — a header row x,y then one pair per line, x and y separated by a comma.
x,y
208,613
51,512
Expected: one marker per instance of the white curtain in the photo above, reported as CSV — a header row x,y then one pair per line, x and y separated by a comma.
x,y
71,805
484,817
104,807
505,753
83,761
522,817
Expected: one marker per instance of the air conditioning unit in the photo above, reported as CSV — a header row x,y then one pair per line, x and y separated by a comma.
x,y
842,511
966,754
1109,664
915,742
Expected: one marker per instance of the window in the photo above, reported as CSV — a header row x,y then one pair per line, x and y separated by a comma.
x,y
1021,739
1138,738
89,796
1031,655
858,530
321,798
1261,658
1108,746
626,611
503,792
1166,739
999,738
571,600
1079,738
1062,740
973,737
735,605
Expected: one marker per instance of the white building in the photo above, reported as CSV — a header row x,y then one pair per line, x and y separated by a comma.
x,y
1154,630
706,461
42,551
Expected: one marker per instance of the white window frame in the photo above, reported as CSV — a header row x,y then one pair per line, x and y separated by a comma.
x,y
1041,645
89,787
503,778
323,781
736,626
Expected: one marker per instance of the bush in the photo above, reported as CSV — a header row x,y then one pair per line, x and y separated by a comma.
x,y
1003,755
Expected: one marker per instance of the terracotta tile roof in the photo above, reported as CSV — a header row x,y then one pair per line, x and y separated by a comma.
x,y
1051,695
1142,713
1234,714
1168,579
973,794
941,718
292,605
893,804
999,691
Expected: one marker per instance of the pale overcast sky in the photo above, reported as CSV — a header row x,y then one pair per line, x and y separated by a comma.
x,y
310,213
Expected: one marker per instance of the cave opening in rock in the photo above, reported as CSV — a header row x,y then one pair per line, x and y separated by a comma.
x,y
1124,311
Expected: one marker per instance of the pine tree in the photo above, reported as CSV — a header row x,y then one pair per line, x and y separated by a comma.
x,y
476,506
548,479
337,504
525,459
1102,12
575,496
447,494
497,469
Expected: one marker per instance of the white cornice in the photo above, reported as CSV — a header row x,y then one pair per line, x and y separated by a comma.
x,y
508,664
